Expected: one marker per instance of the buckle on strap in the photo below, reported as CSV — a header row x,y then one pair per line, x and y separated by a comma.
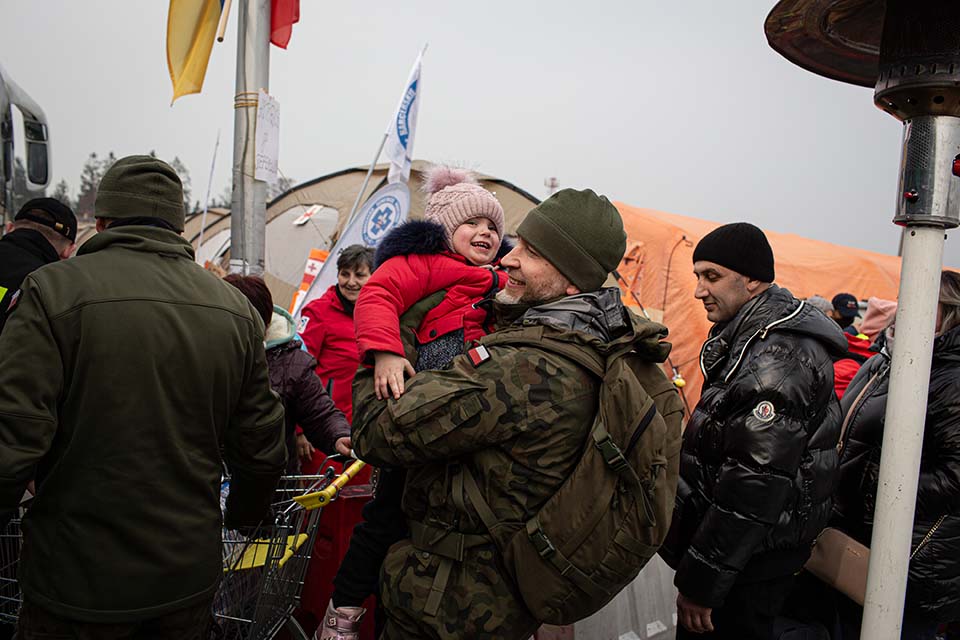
x,y
612,454
540,540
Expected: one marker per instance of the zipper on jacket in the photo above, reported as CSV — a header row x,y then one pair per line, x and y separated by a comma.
x,y
644,423
763,334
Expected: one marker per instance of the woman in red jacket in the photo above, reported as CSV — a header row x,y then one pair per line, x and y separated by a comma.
x,y
326,325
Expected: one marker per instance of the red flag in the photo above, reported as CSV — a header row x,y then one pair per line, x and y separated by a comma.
x,y
283,15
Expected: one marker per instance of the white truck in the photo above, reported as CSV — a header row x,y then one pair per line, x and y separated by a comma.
x,y
36,142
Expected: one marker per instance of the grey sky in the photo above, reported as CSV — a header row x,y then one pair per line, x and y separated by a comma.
x,y
677,106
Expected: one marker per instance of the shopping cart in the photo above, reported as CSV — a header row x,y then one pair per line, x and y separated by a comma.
x,y
263,570
11,539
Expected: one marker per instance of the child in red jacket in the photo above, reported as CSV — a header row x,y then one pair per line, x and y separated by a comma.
x,y
451,250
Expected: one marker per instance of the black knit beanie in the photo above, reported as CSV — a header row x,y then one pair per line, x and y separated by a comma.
x,y
580,233
141,187
739,246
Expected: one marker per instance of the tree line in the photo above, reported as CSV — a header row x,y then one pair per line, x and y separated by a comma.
x,y
92,172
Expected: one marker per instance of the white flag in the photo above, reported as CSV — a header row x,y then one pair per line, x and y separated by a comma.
x,y
403,126
383,211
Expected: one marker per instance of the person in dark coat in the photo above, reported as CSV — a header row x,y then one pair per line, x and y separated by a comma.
x,y
43,231
933,587
759,453
129,376
305,402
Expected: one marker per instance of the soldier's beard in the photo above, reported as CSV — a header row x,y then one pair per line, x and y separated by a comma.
x,y
534,294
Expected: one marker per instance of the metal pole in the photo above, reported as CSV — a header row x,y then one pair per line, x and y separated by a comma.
x,y
366,180
206,201
903,433
248,204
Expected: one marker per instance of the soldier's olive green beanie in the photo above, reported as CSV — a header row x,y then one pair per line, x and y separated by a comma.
x,y
141,187
580,233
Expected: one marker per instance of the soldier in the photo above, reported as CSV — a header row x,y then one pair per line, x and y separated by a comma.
x,y
515,417
124,373
759,454
43,231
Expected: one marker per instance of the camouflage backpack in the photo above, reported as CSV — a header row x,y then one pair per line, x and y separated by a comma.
x,y
592,537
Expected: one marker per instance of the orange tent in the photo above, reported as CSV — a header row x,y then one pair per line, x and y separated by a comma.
x,y
658,271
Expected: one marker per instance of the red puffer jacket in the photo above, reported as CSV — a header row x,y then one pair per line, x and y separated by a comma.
x,y
858,348
414,264
327,330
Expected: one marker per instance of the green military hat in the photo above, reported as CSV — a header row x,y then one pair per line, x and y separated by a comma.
x,y
580,233
141,187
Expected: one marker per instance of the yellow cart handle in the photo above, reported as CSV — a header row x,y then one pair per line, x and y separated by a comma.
x,y
322,498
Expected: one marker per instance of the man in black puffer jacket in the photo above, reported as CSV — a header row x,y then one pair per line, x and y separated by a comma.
x,y
759,455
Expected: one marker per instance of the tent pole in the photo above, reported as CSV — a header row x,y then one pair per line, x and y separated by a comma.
x,y
366,181
206,201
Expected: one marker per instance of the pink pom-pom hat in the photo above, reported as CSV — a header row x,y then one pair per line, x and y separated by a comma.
x,y
455,197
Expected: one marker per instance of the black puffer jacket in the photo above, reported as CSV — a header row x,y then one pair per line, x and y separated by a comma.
x,y
759,454
305,401
934,585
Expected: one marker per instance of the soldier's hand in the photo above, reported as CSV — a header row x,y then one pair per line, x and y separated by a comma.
x,y
343,446
693,617
388,372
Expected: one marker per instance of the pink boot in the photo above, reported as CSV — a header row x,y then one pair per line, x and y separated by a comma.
x,y
340,623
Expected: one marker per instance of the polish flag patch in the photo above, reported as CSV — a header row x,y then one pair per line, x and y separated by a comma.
x,y
478,355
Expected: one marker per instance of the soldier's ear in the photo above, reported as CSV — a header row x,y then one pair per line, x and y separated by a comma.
x,y
572,290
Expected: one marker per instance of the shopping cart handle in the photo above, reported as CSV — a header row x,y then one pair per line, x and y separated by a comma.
x,y
323,497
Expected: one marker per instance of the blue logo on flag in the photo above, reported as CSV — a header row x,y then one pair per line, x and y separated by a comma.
x,y
381,217
403,114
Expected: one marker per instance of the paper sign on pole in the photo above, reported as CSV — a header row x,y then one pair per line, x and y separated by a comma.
x,y
268,138
383,211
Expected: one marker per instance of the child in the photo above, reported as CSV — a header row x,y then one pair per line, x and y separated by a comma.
x,y
451,250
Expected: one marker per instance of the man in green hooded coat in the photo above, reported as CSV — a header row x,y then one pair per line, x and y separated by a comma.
x,y
516,416
127,376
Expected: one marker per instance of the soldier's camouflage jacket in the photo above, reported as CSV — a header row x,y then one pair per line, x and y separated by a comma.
x,y
518,419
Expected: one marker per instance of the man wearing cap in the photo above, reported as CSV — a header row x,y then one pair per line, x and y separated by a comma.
x,y
844,308
42,232
759,453
515,415
124,373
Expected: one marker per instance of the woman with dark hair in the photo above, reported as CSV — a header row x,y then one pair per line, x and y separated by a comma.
x,y
305,401
326,325
933,586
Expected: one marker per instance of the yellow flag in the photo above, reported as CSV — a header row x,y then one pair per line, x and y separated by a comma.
x,y
191,28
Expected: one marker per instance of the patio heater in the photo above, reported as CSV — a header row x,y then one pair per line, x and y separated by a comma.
x,y
909,52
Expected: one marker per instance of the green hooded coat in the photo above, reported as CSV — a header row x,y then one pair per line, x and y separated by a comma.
x,y
124,373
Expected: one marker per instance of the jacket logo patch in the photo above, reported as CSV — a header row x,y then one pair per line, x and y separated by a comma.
x,y
478,355
764,412
303,324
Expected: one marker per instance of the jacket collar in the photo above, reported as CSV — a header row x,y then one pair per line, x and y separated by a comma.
x,y
140,238
33,241
281,330
774,310
596,320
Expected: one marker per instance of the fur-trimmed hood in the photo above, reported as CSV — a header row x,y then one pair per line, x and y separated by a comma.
x,y
281,330
421,237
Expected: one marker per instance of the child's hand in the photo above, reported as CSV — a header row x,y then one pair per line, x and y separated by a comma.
x,y
388,370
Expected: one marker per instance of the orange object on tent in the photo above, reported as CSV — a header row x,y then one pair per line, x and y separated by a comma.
x,y
658,270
